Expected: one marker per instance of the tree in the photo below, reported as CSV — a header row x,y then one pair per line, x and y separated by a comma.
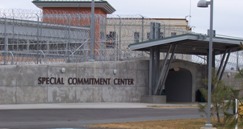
x,y
222,101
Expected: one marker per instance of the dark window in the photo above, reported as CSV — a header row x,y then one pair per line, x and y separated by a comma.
x,y
161,35
136,37
173,33
111,39
148,35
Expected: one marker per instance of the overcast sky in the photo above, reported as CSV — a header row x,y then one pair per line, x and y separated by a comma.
x,y
228,14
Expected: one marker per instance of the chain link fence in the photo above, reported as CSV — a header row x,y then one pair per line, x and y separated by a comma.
x,y
31,37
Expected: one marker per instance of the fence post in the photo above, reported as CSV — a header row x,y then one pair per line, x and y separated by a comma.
x,y
37,36
92,27
119,42
12,57
41,53
236,113
68,38
237,60
13,29
5,41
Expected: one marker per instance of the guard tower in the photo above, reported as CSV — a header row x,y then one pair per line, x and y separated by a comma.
x,y
76,13
74,6
54,10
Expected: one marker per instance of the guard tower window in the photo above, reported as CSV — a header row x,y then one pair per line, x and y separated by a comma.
x,y
111,39
136,37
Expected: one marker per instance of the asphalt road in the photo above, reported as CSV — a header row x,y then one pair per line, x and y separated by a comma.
x,y
80,118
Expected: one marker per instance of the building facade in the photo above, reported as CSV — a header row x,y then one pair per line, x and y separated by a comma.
x,y
122,31
113,34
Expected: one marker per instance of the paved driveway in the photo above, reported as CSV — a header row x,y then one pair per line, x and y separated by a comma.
x,y
80,118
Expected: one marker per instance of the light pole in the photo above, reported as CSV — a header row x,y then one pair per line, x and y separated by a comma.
x,y
92,31
204,4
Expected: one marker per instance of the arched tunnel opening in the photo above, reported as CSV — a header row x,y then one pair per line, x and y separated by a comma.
x,y
178,85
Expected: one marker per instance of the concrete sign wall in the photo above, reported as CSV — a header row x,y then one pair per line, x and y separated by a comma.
x,y
124,81
74,83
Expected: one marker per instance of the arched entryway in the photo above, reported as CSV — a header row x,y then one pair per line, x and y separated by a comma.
x,y
178,85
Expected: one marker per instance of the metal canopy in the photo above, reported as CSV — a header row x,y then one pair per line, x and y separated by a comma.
x,y
196,44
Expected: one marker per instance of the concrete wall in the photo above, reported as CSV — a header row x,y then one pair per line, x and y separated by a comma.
x,y
19,83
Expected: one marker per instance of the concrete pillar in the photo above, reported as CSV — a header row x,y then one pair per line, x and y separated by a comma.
x,y
157,31
156,66
152,30
151,69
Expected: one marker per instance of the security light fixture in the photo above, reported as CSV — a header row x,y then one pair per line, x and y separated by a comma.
x,y
114,71
203,3
63,70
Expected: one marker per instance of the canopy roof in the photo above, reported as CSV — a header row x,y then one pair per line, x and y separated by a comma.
x,y
196,44
75,3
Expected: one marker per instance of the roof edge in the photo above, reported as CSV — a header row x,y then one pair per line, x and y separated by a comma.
x,y
98,4
191,36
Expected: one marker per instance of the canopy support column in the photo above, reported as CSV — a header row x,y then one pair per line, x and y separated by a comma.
x,y
225,63
164,70
156,66
221,63
151,64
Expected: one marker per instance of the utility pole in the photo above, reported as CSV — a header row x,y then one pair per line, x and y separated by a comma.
x,y
92,31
